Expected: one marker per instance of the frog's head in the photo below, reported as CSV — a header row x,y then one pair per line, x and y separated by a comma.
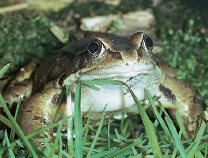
x,y
117,57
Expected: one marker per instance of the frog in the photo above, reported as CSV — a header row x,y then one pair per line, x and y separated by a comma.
x,y
102,56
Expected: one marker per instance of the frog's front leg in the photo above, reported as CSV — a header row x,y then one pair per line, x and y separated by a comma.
x,y
39,110
179,97
19,86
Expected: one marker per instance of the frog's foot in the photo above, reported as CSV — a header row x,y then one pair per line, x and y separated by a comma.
x,y
40,140
191,121
71,80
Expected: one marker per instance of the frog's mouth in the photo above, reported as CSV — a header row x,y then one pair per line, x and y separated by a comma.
x,y
120,71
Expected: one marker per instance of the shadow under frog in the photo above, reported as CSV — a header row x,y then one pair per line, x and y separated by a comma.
x,y
128,59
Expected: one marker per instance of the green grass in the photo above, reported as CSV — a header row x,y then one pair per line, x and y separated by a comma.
x,y
17,128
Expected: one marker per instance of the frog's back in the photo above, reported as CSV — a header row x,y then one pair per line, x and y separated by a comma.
x,y
66,60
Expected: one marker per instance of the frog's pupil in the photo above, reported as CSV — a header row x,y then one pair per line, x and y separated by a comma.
x,y
149,42
93,47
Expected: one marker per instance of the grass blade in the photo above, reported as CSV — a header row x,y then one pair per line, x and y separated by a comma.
x,y
4,120
127,148
4,69
157,114
97,134
70,142
60,148
181,125
12,134
174,152
149,127
104,153
90,84
78,123
102,82
197,140
109,124
58,136
176,137
11,153
87,126
37,132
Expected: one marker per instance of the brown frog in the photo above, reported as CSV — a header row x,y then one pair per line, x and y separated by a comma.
x,y
128,59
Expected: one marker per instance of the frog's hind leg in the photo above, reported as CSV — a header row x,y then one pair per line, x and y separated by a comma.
x,y
177,96
40,109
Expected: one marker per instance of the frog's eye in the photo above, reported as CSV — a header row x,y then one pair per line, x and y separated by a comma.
x,y
149,43
95,48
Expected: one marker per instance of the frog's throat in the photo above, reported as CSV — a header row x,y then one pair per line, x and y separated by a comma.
x,y
114,72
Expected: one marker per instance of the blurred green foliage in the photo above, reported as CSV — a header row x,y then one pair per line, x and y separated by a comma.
x,y
186,50
23,39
